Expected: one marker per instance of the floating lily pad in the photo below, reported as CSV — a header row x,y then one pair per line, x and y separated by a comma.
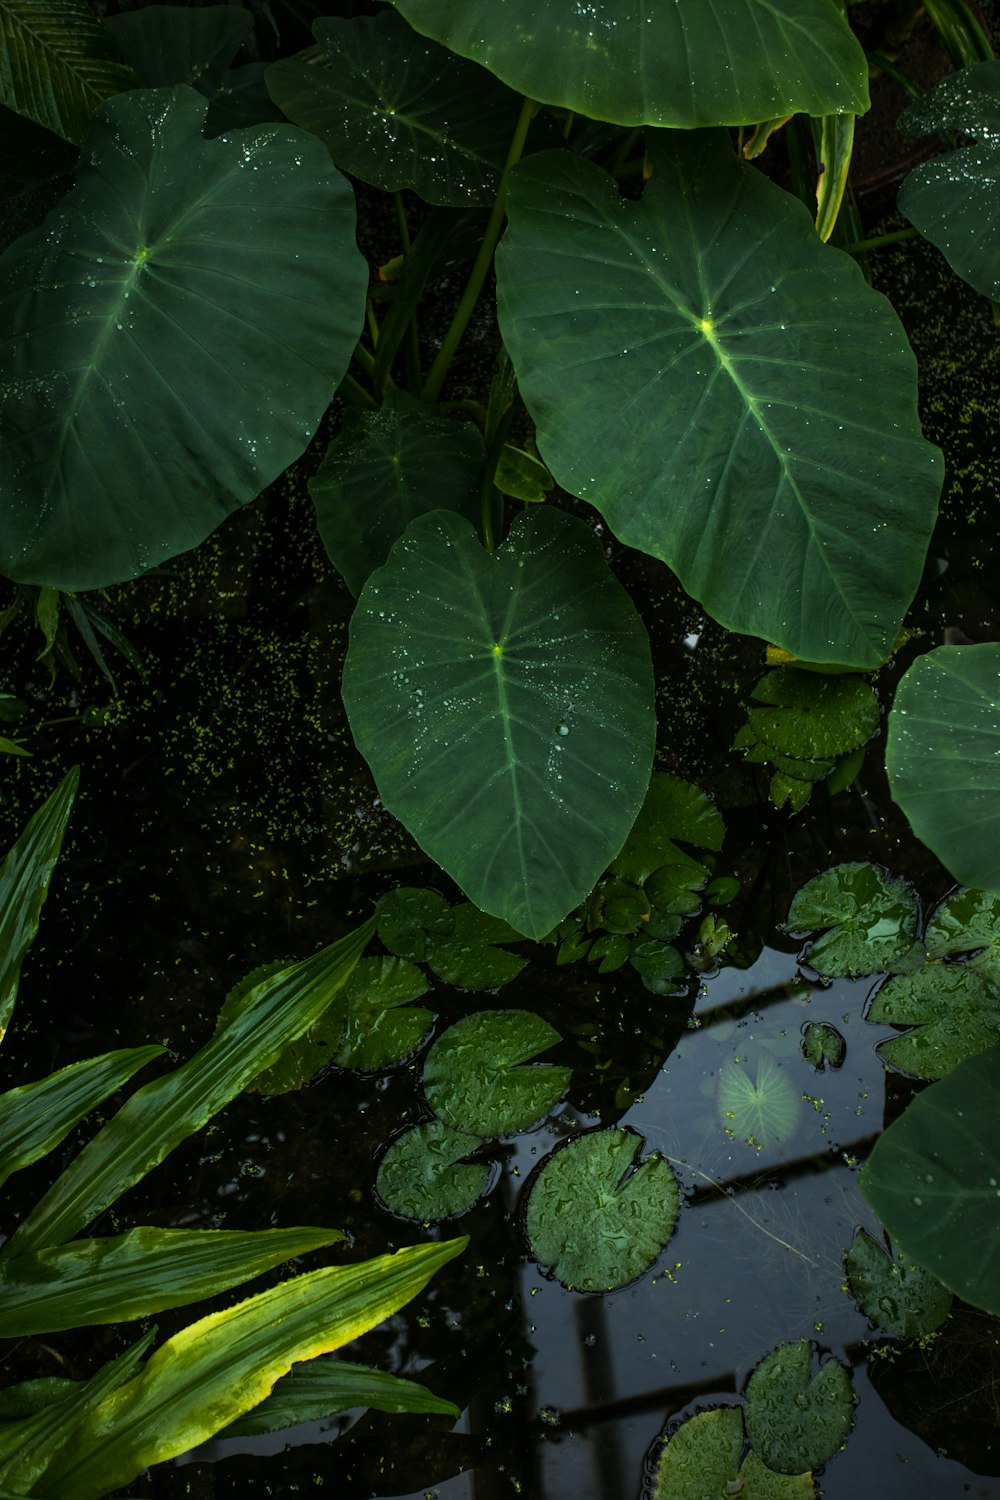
x,y
870,916
475,1079
468,957
409,915
591,1225
933,1179
797,1420
675,889
701,1461
421,1177
660,965
893,1291
623,907
822,1045
756,1101
672,809
967,922
808,716
954,1012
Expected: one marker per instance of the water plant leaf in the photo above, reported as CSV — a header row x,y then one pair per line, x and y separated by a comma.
x,y
893,1291
421,1176
58,64
409,915
702,1458
660,65
120,1277
216,1369
757,1102
807,717
162,1113
953,1011
725,367
954,199
529,717
380,1025
870,918
467,956
475,1079
597,1219
943,762
797,1420
660,965
822,1044
933,1179
164,271
37,1116
373,480
24,883
967,921
311,1392
399,111
671,809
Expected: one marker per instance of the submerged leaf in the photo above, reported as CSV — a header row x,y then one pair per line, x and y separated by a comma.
x,y
756,1102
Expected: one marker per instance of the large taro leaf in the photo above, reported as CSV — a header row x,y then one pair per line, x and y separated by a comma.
x,y
943,758
685,62
374,480
702,1459
726,389
797,1420
479,1076
954,199
57,63
505,705
174,331
399,111
933,1179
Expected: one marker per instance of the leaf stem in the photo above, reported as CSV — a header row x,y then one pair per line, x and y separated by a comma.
x,y
860,247
490,511
411,340
481,266
353,391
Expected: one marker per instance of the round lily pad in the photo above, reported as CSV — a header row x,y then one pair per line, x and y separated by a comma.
x,y
421,1176
702,1459
796,1420
474,1077
871,919
894,1292
756,1101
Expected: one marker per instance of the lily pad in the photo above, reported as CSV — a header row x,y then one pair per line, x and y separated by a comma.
x,y
482,703
893,1291
953,1010
933,1179
871,919
756,1101
593,1222
822,1044
408,916
967,922
468,957
797,1420
672,809
702,1459
954,199
725,388
660,965
475,1079
943,758
807,719
420,1176
373,480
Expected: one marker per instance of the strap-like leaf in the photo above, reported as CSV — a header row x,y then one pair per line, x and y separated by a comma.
x,y
57,64
323,1387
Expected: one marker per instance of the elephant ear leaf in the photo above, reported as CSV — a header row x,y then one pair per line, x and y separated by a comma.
x,y
134,313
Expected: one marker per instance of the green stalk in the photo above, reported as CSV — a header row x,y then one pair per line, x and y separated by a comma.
x,y
477,276
860,247
354,392
491,513
411,341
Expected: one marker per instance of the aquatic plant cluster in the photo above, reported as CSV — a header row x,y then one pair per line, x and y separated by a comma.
x,y
627,328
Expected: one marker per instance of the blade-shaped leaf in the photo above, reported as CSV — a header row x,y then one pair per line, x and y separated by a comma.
x,y
216,1369
57,64
162,1113
521,699
136,1274
689,62
166,274
36,1117
726,389
324,1387
24,883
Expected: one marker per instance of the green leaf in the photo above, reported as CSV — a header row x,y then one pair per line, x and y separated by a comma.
x,y
420,1176
954,199
796,1420
374,480
675,889
134,1275
398,111
377,1032
672,809
216,1369
24,883
822,1044
943,758
317,1390
57,64
474,1079
522,476
871,919
595,1218
702,1459
812,718
37,1116
623,907
693,62
409,915
169,44
966,921
757,1103
521,702
953,1010
165,272
163,1113
660,965
894,1292
725,388
933,1179
468,957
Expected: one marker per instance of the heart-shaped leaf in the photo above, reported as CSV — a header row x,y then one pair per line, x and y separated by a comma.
x,y
894,1292
672,809
797,1420
468,956
421,1176
967,922
725,388
690,62
511,693
475,1077
139,306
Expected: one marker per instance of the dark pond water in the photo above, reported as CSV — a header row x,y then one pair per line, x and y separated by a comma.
x,y
225,821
